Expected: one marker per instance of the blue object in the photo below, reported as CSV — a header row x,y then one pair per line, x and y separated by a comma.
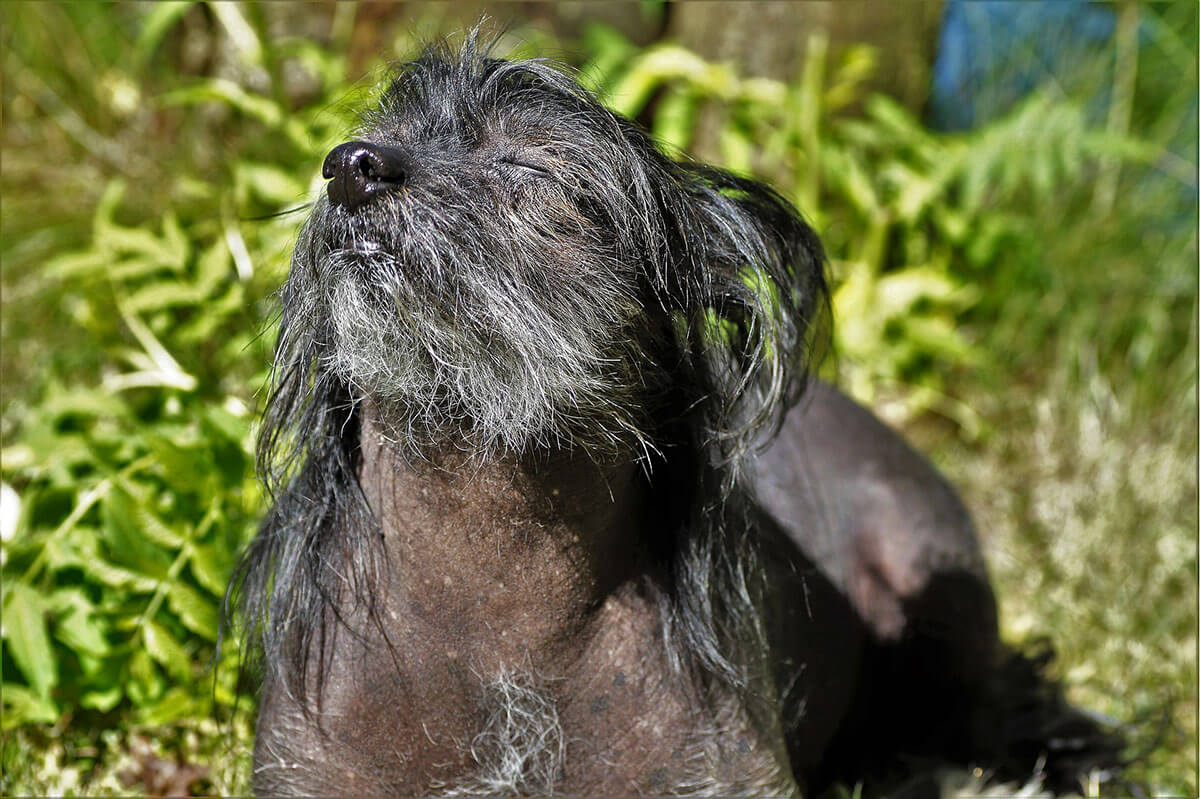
x,y
992,54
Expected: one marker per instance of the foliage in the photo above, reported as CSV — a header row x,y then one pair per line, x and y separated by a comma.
x,y
128,462
970,269
134,498
911,218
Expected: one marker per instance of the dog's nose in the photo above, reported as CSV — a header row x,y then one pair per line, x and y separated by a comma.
x,y
358,171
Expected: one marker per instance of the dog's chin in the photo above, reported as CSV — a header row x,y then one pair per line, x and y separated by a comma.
x,y
421,370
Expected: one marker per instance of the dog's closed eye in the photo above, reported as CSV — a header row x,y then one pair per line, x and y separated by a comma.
x,y
525,167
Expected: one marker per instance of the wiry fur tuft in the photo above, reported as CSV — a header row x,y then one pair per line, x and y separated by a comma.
x,y
522,749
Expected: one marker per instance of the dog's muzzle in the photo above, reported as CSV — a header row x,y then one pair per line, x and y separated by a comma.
x,y
359,171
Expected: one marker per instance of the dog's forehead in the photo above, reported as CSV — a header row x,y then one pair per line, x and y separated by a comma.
x,y
467,98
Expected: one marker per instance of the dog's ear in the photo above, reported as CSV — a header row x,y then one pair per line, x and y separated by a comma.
x,y
750,303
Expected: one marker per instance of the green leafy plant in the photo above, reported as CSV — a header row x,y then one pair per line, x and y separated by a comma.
x,y
128,472
134,497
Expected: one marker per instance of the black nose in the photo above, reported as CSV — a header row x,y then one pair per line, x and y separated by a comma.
x,y
359,170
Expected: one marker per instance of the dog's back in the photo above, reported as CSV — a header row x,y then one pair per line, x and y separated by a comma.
x,y
876,515
933,684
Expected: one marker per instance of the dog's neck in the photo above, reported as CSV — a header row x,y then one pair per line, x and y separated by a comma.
x,y
512,557
516,620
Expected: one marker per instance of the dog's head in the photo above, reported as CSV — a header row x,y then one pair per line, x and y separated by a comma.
x,y
501,262
502,265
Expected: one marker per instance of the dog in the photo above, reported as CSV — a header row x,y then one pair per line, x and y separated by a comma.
x,y
552,511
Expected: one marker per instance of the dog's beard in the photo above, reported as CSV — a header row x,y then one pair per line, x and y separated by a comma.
x,y
474,358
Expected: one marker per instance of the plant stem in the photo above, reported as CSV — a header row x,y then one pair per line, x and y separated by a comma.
x,y
1120,109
